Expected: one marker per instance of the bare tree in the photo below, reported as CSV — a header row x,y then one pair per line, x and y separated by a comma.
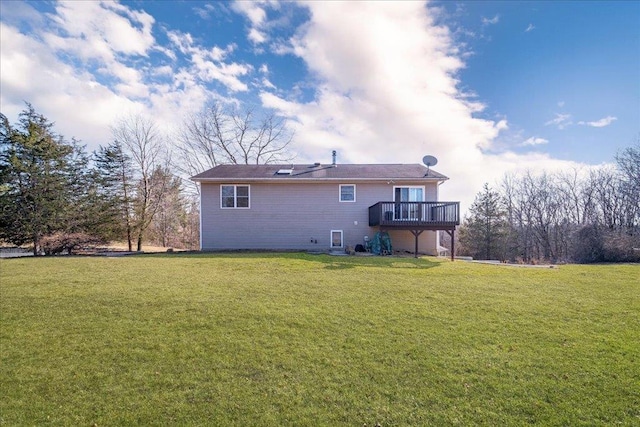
x,y
217,136
572,215
170,210
190,235
145,147
628,162
608,199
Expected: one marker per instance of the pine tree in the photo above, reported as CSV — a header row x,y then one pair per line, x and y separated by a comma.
x,y
484,231
36,170
115,178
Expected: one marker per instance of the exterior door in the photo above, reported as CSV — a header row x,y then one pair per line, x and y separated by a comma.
x,y
408,211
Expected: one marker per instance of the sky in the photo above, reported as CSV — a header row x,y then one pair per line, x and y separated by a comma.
x,y
486,87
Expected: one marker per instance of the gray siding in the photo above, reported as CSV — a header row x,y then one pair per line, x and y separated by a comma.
x,y
292,215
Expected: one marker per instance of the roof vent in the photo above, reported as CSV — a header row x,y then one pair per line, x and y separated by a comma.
x,y
284,172
316,164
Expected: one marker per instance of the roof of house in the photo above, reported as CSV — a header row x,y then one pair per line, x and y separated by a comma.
x,y
319,172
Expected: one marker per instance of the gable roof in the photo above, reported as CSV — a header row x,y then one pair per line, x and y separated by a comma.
x,y
318,172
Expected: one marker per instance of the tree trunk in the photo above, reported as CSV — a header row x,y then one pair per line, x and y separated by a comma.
x,y
129,239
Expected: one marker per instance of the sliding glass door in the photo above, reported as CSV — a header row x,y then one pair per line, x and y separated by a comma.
x,y
408,211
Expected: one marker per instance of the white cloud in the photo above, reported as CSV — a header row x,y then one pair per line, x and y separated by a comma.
x,y
267,83
385,76
88,64
561,121
73,99
533,141
21,11
256,36
182,41
387,91
282,48
107,27
606,121
205,11
531,27
491,21
257,17
252,10
560,104
105,32
207,65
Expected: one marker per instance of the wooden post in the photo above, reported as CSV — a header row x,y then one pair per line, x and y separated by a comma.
x,y
453,243
416,233
452,234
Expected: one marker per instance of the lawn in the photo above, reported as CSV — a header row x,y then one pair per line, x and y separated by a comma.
x,y
297,339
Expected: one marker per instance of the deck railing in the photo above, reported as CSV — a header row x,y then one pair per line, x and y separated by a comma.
x,y
415,214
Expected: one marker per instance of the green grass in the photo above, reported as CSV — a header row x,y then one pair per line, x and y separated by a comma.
x,y
296,339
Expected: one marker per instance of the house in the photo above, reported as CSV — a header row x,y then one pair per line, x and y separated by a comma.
x,y
323,207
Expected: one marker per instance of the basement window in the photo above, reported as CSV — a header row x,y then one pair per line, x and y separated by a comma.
x,y
336,239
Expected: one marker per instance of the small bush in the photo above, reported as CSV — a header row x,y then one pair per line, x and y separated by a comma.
x,y
597,244
589,245
59,243
618,247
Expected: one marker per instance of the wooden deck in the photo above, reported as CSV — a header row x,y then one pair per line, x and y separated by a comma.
x,y
412,215
416,217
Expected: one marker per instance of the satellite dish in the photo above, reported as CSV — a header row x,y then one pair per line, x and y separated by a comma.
x,y
429,161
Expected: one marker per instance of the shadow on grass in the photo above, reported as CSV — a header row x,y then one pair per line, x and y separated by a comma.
x,y
332,262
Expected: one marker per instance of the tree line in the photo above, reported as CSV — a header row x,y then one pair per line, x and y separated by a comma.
x,y
569,216
56,197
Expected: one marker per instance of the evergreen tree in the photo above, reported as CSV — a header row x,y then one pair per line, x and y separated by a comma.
x,y
49,195
484,231
115,177
37,173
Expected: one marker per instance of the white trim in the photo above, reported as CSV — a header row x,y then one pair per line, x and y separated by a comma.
x,y
235,196
200,217
341,239
340,193
283,179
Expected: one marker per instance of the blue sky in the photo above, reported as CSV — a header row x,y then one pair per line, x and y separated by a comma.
x,y
487,87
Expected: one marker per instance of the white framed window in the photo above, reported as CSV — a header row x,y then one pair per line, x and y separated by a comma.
x,y
234,196
347,192
336,239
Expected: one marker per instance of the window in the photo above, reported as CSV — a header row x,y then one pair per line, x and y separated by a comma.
x,y
408,194
336,238
234,196
408,210
347,193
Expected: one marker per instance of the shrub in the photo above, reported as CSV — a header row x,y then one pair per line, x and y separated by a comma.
x,y
589,245
58,243
597,244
